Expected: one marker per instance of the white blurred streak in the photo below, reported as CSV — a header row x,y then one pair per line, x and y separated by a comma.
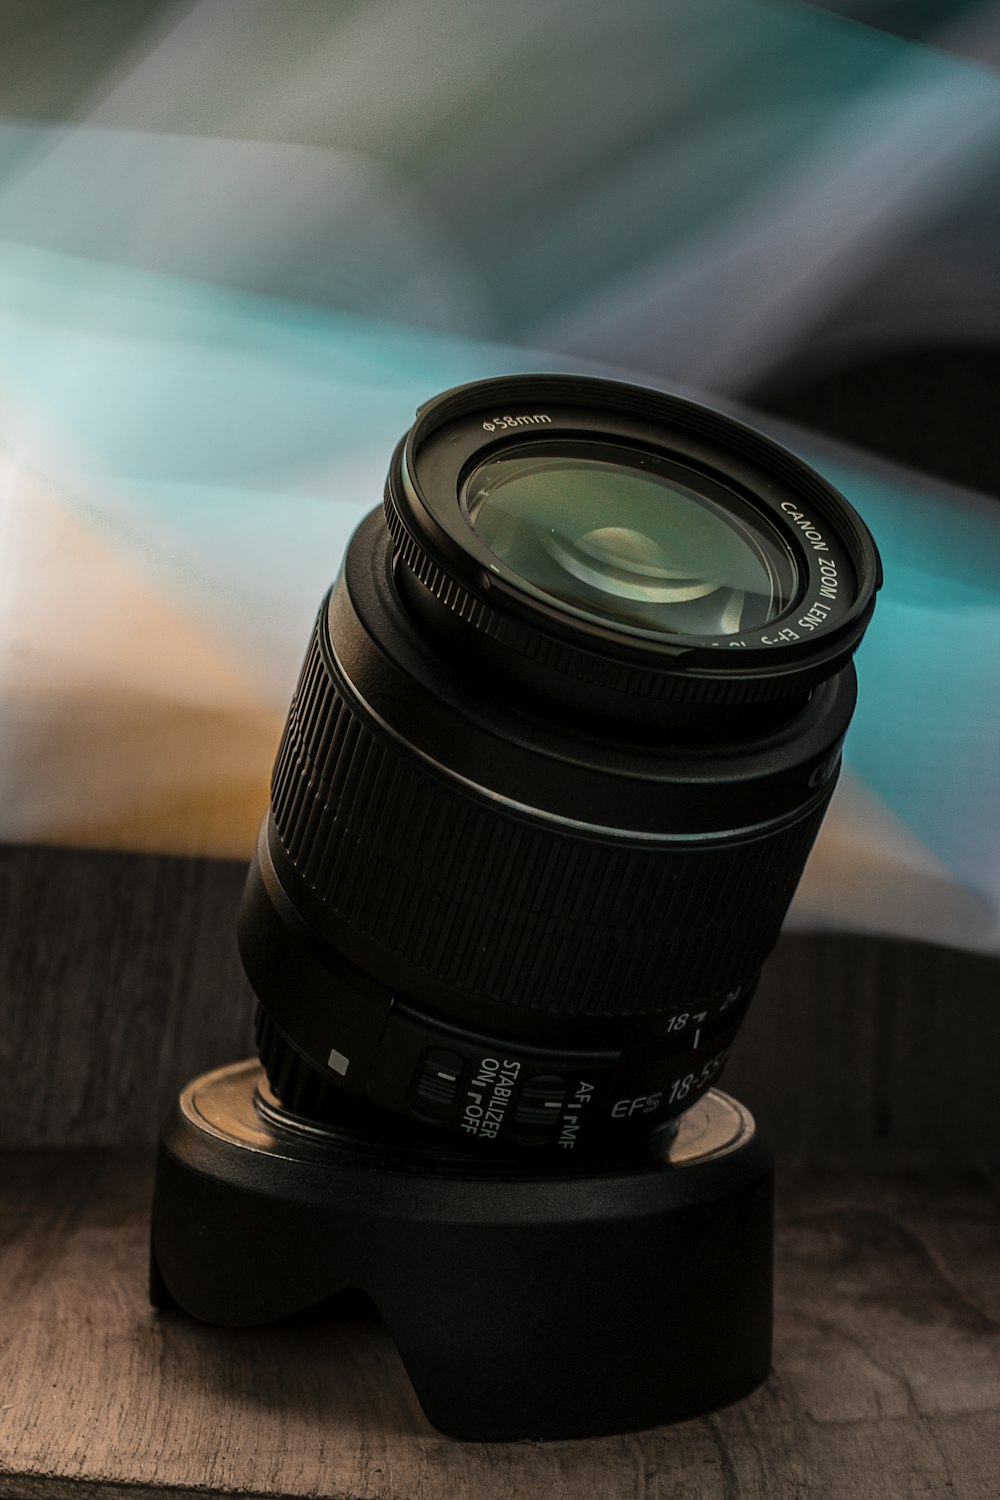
x,y
326,224
41,144
370,75
723,307
249,204
8,480
321,225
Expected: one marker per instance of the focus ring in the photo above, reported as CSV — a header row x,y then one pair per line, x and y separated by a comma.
x,y
480,898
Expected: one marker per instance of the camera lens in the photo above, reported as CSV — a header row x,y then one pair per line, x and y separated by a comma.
x,y
566,729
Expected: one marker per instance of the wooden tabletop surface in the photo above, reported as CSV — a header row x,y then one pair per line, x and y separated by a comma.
x,y
886,1368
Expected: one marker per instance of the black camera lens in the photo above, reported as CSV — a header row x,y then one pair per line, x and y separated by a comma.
x,y
566,729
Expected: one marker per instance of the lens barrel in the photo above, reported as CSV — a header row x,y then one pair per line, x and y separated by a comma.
x,y
533,831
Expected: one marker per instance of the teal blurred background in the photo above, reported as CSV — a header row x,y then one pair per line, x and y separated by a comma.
x,y
239,242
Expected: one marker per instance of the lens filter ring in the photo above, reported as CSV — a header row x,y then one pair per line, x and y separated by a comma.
x,y
628,540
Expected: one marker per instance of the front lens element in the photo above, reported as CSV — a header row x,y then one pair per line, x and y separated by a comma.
x,y
620,537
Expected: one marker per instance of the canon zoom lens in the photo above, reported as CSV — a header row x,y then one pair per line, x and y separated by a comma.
x,y
565,732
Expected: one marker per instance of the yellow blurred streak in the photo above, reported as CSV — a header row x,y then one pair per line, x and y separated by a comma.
x,y
120,728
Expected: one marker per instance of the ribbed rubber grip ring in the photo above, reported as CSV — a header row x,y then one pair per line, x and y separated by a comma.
x,y
480,897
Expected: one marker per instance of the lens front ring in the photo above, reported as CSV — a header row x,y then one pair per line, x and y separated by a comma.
x,y
455,574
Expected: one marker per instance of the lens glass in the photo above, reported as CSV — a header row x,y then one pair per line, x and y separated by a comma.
x,y
623,537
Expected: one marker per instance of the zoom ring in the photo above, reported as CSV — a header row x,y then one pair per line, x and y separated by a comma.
x,y
476,896
301,1087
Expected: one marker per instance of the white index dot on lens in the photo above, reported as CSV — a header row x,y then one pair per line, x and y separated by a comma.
x,y
338,1062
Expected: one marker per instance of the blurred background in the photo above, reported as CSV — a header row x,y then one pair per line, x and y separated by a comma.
x,y
241,241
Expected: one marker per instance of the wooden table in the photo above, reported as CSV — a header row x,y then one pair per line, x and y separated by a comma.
x,y
886,1379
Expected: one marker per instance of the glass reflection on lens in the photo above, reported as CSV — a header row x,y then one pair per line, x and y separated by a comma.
x,y
608,532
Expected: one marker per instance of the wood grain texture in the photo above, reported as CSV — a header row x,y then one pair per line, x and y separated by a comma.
x,y
120,980
886,1382
864,1046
